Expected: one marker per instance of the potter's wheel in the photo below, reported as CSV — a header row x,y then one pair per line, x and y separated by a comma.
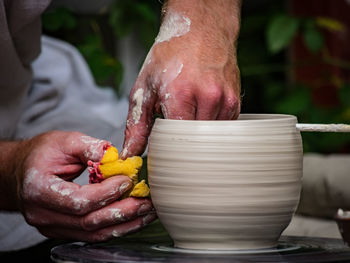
x,y
154,245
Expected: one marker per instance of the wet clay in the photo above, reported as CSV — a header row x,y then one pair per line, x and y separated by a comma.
x,y
225,184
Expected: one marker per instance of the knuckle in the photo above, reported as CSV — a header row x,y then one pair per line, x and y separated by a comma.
x,y
231,101
184,91
79,212
79,206
85,224
213,93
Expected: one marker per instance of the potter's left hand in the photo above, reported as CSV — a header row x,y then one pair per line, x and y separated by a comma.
x,y
191,71
36,178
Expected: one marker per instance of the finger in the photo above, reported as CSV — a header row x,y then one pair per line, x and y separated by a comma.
x,y
43,217
67,197
209,103
117,212
68,172
230,107
139,121
101,234
86,148
90,197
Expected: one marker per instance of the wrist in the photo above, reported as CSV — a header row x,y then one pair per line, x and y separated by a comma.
x,y
219,16
11,159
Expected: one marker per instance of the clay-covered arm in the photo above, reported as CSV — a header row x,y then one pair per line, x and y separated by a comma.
x,y
191,70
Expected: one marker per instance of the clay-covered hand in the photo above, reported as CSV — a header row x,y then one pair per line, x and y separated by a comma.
x,y
190,72
60,208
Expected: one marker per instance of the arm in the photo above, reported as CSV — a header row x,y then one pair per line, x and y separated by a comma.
x,y
8,185
36,178
191,70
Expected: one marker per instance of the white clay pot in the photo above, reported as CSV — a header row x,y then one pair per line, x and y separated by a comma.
x,y
226,184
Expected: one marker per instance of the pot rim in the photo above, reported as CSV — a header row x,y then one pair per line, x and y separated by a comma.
x,y
243,118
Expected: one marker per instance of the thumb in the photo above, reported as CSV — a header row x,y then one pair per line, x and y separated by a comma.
x,y
139,121
88,148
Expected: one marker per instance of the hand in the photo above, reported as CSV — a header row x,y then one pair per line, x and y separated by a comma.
x,y
191,71
59,208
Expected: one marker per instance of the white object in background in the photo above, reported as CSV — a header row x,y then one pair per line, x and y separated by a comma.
x,y
306,127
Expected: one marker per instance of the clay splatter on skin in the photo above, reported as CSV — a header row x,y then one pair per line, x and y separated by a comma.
x,y
140,96
94,147
108,200
142,208
173,71
179,70
174,25
112,196
126,148
164,110
55,186
123,187
116,213
137,110
95,220
31,183
117,233
80,202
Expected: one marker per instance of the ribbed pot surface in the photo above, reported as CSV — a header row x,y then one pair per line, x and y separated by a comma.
x,y
226,184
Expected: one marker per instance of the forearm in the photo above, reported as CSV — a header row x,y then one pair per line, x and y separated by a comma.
x,y
213,23
206,15
9,152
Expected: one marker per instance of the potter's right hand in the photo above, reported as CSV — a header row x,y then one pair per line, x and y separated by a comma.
x,y
191,71
36,178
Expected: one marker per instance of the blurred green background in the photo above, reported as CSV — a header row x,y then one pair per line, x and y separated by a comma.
x,y
269,31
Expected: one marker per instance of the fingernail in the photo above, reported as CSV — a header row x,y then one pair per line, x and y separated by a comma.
x,y
144,208
124,186
150,217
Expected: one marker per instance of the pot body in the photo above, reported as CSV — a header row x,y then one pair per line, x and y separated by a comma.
x,y
226,184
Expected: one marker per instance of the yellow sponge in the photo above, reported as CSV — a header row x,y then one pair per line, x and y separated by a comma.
x,y
128,167
141,189
111,165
